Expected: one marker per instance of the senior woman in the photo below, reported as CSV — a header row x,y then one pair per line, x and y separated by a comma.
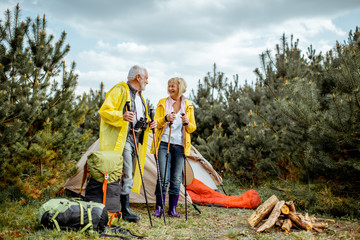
x,y
178,111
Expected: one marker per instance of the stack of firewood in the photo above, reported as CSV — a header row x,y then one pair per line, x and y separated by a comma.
x,y
284,215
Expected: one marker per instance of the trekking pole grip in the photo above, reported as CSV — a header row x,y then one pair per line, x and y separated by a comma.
x,y
184,124
151,113
171,122
127,108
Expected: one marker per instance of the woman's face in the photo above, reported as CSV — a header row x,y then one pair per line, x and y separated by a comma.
x,y
173,90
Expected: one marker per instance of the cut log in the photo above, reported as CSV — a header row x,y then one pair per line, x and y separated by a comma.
x,y
287,225
320,225
300,221
279,222
275,213
285,209
262,211
319,230
291,206
325,220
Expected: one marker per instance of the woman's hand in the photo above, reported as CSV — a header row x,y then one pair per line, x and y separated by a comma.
x,y
185,119
170,117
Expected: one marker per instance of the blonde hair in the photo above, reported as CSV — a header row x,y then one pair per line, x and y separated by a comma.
x,y
181,84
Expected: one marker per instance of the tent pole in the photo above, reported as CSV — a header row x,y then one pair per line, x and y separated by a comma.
x,y
222,186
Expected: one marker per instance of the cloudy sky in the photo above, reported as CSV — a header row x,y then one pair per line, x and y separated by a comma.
x,y
185,37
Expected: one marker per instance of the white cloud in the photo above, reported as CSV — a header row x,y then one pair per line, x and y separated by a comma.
x,y
185,37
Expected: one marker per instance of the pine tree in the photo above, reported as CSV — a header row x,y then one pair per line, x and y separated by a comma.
x,y
320,111
251,139
213,148
334,146
233,143
39,120
209,103
284,76
94,100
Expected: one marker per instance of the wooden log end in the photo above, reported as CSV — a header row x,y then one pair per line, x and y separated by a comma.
x,y
287,225
291,206
285,209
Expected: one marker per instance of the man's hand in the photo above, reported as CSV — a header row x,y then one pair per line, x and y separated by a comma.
x,y
129,116
153,124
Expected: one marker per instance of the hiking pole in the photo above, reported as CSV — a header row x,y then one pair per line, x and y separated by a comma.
x,y
167,153
138,160
157,165
184,125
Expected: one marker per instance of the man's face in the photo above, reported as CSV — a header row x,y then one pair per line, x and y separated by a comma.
x,y
143,81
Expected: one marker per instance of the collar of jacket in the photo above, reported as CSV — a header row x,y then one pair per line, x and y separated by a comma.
x,y
170,102
162,103
132,89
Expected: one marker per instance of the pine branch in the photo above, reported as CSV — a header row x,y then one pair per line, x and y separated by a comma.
x,y
338,112
272,92
271,127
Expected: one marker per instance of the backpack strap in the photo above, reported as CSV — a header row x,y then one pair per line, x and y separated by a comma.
x,y
119,232
53,219
104,187
81,213
113,215
89,225
84,177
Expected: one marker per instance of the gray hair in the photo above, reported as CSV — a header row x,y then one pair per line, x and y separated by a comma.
x,y
135,70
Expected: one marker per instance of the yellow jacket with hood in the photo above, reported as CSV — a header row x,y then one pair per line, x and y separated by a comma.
x,y
114,129
162,124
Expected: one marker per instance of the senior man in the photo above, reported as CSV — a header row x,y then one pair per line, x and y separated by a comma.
x,y
125,104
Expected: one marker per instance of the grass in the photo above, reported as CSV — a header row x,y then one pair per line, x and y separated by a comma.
x,y
17,221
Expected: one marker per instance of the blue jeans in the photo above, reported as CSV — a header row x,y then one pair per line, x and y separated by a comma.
x,y
174,168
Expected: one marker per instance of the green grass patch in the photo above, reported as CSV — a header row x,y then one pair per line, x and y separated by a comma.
x,y
17,220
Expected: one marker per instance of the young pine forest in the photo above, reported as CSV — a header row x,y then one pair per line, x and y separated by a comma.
x,y
295,129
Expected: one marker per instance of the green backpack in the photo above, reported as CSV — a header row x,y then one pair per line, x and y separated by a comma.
x,y
63,214
102,162
105,170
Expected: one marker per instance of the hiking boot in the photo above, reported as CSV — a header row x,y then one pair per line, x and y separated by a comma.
x,y
159,206
127,215
158,211
173,200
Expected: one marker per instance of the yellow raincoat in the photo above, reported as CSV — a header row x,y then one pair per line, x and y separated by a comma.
x,y
162,124
113,129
